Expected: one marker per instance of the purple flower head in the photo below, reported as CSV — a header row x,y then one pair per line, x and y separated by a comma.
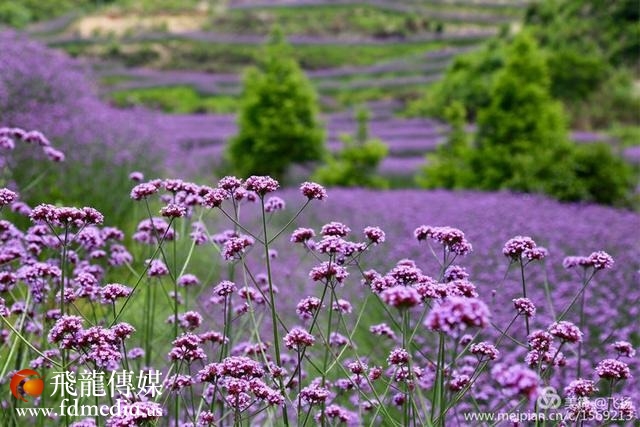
x,y
157,268
188,280
144,190
455,272
455,314
580,388
524,306
624,348
328,271
274,204
600,260
173,210
382,330
335,229
566,331
66,332
54,155
540,340
235,247
516,380
111,292
261,185
298,338
343,306
517,246
451,238
401,297
484,349
613,369
187,348
7,197
224,288
338,414
398,356
314,394
311,190
307,307
136,176
214,197
374,234
230,183
332,245
189,321
301,235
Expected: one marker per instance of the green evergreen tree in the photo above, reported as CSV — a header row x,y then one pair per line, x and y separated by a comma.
x,y
522,136
278,120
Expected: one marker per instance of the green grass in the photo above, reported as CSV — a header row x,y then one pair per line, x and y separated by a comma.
x,y
370,20
354,97
175,99
628,135
323,20
218,57
113,80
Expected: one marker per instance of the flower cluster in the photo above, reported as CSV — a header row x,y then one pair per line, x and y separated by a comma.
x,y
451,238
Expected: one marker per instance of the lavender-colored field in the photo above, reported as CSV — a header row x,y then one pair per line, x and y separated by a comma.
x,y
199,139
489,220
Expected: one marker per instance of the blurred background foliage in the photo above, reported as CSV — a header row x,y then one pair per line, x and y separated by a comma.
x,y
512,86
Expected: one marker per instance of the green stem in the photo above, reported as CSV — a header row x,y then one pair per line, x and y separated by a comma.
x,y
274,321
524,294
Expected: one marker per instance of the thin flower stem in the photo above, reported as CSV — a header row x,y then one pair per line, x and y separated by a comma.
x,y
283,229
14,345
237,224
276,339
409,382
327,350
579,370
524,294
573,301
142,275
31,346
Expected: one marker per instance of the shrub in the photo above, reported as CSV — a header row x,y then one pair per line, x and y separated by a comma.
x,y
448,166
278,123
522,133
600,176
468,80
586,44
14,14
356,164
522,142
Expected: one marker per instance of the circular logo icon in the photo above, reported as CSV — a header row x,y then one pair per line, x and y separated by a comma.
x,y
23,384
549,399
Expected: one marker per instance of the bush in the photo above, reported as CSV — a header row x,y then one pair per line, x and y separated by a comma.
x,y
468,81
356,164
587,44
14,14
448,166
523,126
278,124
522,142
601,177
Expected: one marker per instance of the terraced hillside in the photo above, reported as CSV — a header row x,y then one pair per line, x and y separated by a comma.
x,y
186,60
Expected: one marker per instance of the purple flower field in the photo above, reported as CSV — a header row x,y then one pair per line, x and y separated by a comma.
x,y
142,284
